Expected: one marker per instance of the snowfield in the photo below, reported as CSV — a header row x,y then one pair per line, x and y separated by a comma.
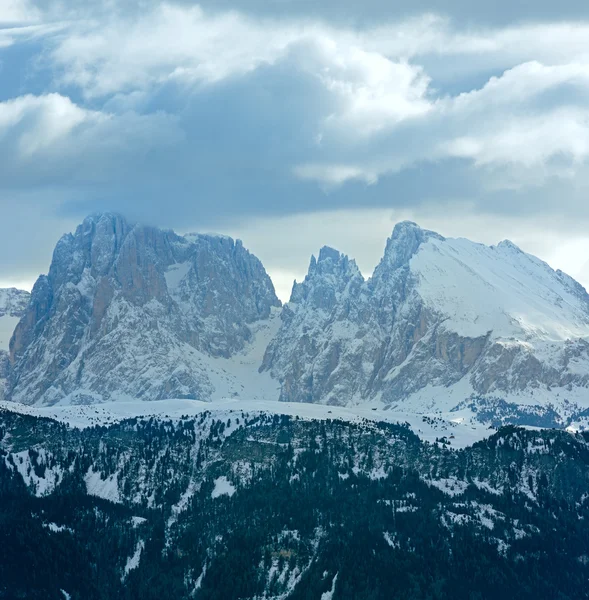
x,y
465,431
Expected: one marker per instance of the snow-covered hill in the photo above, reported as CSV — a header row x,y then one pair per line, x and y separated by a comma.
x,y
442,324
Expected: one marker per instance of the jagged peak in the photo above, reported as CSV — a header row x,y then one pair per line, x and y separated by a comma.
x,y
509,245
332,269
332,262
328,253
404,242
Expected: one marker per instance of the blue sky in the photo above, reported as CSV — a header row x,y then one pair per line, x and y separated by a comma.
x,y
292,124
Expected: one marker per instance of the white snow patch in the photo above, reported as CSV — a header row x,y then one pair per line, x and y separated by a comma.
x,y
108,488
133,561
7,326
390,540
451,486
175,274
329,594
223,487
44,485
57,528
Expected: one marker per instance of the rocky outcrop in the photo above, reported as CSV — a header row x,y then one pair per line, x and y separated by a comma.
x,y
129,311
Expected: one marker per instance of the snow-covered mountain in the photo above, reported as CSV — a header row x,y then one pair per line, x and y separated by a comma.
x,y
129,311
442,324
13,303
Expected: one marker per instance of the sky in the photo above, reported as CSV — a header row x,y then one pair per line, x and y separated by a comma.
x,y
293,124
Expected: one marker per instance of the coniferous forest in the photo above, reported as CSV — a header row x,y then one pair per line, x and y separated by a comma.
x,y
265,506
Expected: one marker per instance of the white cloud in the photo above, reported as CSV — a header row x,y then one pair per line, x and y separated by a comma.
x,y
506,123
166,43
50,139
39,122
372,86
17,12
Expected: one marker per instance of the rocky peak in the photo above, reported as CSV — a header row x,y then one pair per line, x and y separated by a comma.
x,y
135,310
406,239
328,277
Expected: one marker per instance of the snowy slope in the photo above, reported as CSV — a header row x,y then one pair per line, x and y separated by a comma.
x,y
499,289
458,428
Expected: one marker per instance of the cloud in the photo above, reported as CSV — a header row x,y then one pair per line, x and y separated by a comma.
x,y
532,116
220,114
50,139
18,12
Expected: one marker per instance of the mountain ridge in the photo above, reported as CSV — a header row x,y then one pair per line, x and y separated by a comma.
x,y
441,324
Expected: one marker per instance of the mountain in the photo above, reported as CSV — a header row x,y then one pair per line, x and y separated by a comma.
x,y
13,304
442,325
129,311
445,327
251,505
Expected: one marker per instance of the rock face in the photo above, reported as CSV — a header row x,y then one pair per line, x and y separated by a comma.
x,y
134,311
440,320
13,304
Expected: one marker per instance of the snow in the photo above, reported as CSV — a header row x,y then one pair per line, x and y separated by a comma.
x,y
390,540
137,521
175,274
199,579
107,489
42,486
183,503
57,528
7,326
329,594
133,561
66,596
439,424
497,288
451,486
223,487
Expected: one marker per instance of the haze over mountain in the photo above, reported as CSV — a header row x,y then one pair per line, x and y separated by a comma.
x,y
133,312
